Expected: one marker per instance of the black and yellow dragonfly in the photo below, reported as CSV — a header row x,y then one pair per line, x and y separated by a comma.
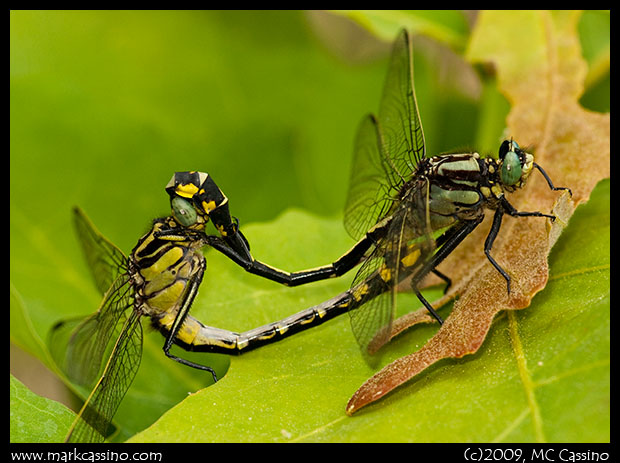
x,y
159,279
407,211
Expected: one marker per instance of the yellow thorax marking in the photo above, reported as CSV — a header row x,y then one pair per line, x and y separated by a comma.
x,y
172,256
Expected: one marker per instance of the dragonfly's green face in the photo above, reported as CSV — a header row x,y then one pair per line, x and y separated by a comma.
x,y
184,212
516,164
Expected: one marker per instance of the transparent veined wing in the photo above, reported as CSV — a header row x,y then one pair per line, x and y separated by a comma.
x,y
78,345
399,118
406,246
388,148
370,194
101,352
372,320
377,281
105,261
119,372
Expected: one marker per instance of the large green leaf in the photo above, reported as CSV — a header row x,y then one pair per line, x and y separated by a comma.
x,y
34,418
445,26
539,372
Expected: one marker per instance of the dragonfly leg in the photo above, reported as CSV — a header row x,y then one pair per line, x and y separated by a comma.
x,y
444,278
488,244
188,297
447,243
550,183
428,306
507,208
198,366
510,210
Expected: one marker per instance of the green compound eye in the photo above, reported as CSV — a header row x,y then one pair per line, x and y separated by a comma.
x,y
511,168
183,211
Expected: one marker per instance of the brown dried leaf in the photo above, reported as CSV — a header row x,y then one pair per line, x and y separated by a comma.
x,y
541,71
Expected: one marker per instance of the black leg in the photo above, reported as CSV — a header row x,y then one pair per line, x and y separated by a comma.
x,y
447,242
444,278
550,183
191,291
488,244
428,306
510,210
506,208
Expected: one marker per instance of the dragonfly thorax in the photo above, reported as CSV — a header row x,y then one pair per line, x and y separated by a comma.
x,y
161,264
452,184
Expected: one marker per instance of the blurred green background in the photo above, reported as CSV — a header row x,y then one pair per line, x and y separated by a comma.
x,y
106,106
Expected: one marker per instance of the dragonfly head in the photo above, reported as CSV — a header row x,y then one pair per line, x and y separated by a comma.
x,y
515,164
194,197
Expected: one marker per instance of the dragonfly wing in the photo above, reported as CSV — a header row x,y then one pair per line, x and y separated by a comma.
x,y
370,194
399,119
78,345
376,282
406,247
388,148
121,367
105,260
373,318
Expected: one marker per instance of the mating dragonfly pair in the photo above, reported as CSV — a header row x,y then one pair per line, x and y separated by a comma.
x,y
408,213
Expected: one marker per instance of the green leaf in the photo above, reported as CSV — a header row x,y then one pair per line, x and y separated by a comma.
x,y
594,30
296,390
34,418
449,27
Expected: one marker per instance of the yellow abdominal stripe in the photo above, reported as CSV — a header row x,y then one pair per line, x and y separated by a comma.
x,y
360,291
410,258
188,331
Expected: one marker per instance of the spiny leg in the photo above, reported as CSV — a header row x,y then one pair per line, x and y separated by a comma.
x,y
444,278
448,242
190,294
550,183
507,208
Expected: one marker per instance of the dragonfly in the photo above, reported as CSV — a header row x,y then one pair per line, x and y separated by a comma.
x,y
407,211
159,279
